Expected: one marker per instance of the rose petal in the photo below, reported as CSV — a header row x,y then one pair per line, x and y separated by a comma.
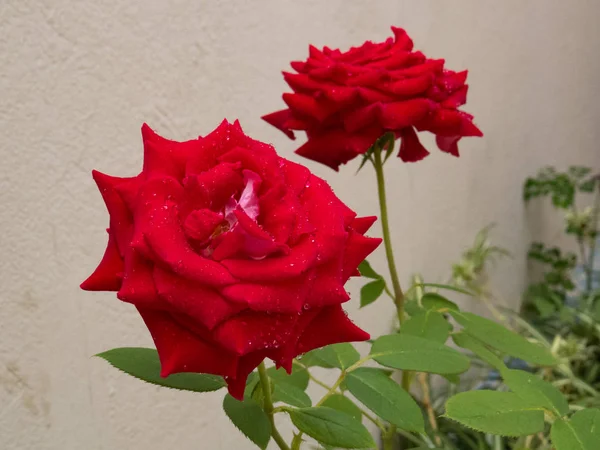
x,y
225,137
457,98
360,118
411,149
200,224
299,260
212,188
165,157
328,288
284,355
167,240
309,106
284,297
202,304
236,385
138,284
296,175
260,159
358,248
402,39
180,350
121,221
279,213
409,87
330,326
398,115
448,144
279,120
251,331
362,224
108,275
337,147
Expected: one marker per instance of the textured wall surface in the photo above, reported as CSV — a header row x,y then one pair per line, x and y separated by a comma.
x,y
77,79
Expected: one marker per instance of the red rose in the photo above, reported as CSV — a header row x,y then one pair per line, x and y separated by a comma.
x,y
230,253
346,100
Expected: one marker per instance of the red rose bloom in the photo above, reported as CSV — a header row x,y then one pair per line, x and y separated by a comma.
x,y
346,100
230,253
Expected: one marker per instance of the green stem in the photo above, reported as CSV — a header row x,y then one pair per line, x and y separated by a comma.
x,y
373,419
297,441
268,406
388,438
390,434
332,389
387,241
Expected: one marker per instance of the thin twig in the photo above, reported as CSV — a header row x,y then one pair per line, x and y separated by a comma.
x,y
424,382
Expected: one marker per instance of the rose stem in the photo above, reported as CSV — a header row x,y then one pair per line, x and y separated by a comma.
x,y
389,436
268,405
387,241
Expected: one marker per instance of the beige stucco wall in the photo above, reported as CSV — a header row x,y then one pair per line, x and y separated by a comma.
x,y
77,79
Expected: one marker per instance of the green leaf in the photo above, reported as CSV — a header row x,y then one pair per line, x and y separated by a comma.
x,y
249,418
254,391
412,308
452,378
367,271
143,363
340,356
252,382
445,286
386,399
311,359
579,172
424,447
536,391
495,412
290,394
502,339
403,351
429,325
332,427
437,302
385,372
389,139
580,432
588,185
343,404
463,340
366,157
371,292
299,376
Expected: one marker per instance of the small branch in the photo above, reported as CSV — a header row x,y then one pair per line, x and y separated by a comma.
x,y
424,382
319,382
332,390
374,420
